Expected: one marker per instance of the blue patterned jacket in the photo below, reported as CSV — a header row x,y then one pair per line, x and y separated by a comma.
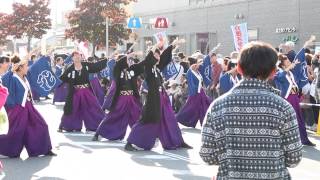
x,y
251,133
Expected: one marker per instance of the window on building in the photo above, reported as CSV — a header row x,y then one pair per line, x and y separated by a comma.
x,y
203,42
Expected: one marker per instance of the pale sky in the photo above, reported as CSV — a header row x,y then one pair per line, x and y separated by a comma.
x,y
6,5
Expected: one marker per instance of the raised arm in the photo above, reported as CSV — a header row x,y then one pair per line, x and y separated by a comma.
x,y
97,67
166,57
149,60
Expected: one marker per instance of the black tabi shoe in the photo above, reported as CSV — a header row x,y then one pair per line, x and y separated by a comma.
x,y
129,147
60,130
95,137
186,146
50,153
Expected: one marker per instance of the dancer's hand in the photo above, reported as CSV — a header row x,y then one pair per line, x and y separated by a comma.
x,y
214,49
293,65
310,41
178,41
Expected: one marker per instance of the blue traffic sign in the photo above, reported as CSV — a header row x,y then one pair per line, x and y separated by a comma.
x,y
134,23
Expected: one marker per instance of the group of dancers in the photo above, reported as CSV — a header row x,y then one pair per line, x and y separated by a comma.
x,y
155,118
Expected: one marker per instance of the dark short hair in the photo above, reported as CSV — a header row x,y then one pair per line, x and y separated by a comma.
x,y
231,65
181,55
192,60
15,59
213,54
282,58
308,51
4,59
59,59
74,53
158,51
258,60
308,59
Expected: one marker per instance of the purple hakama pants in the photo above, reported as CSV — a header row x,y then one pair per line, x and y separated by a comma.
x,y
294,100
86,108
60,93
194,110
28,129
126,112
144,135
97,90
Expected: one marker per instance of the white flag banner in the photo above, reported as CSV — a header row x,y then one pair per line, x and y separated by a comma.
x,y
162,36
240,35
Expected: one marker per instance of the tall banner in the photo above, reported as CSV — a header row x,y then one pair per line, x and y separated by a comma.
x,y
161,36
240,35
84,49
206,71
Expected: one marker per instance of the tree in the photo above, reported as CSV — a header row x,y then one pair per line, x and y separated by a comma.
x,y
88,22
30,20
3,32
4,28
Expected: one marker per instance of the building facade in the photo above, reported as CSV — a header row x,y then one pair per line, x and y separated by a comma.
x,y
204,23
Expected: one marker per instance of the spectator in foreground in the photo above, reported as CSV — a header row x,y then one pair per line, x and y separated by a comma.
x,y
251,132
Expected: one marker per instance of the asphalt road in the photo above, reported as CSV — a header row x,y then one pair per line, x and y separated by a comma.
x,y
81,159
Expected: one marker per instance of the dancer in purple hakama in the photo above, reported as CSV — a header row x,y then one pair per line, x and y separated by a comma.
x,y
81,104
158,120
27,127
286,81
292,79
125,107
197,103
